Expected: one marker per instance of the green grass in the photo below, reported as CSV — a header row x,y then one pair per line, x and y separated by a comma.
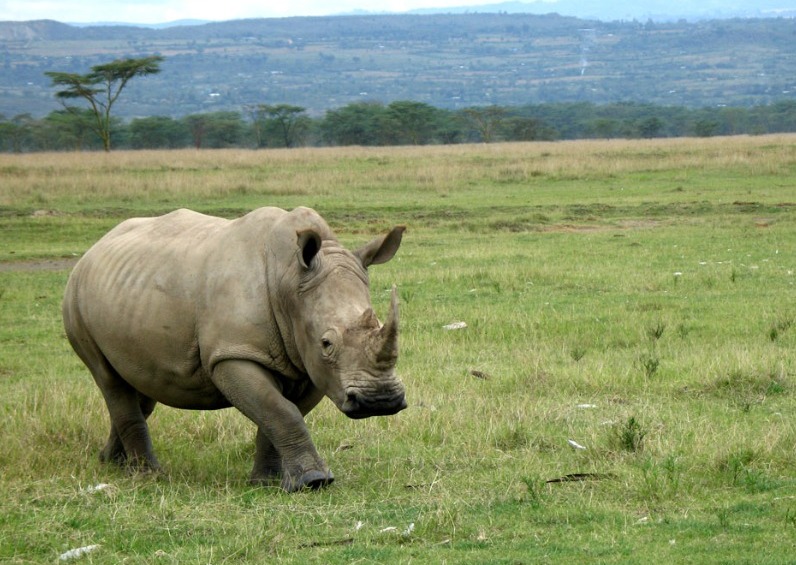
x,y
636,298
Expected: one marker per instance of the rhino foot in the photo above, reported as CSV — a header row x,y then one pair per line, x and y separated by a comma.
x,y
132,465
313,480
264,479
113,454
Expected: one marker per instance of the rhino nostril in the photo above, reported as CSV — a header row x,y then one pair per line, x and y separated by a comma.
x,y
352,402
357,405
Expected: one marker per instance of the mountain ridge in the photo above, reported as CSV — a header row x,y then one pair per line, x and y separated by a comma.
x,y
613,10
449,61
601,10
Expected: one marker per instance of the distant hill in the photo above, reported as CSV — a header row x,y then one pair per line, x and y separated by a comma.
x,y
446,60
153,26
656,10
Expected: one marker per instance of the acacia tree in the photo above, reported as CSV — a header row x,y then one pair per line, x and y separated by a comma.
x,y
67,129
358,123
288,121
487,121
16,132
101,88
414,122
215,129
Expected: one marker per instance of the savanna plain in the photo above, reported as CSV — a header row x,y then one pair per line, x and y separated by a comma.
x,y
598,341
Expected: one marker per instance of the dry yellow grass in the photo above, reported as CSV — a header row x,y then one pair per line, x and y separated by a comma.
x,y
47,178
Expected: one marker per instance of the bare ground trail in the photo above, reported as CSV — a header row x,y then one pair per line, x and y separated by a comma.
x,y
59,264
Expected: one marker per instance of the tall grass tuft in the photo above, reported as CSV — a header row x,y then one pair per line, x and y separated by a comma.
x,y
628,436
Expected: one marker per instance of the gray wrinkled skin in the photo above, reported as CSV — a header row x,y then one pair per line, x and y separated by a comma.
x,y
267,313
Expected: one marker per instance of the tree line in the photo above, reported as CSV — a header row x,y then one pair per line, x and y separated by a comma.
x,y
402,122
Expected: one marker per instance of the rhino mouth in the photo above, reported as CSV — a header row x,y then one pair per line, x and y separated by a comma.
x,y
357,406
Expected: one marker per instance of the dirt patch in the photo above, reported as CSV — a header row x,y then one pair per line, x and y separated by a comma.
x,y
571,228
31,265
45,213
585,228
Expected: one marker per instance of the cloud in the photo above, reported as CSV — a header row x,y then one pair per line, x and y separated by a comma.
x,y
145,11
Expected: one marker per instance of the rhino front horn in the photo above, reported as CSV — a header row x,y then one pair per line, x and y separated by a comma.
x,y
386,338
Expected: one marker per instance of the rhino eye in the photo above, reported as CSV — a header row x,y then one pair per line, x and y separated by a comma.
x,y
328,341
327,346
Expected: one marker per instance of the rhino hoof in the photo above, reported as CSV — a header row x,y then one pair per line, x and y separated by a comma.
x,y
142,469
115,457
313,480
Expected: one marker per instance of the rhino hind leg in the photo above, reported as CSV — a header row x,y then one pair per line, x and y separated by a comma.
x,y
114,450
128,444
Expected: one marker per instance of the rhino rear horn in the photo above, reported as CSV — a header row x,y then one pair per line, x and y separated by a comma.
x,y
381,249
368,319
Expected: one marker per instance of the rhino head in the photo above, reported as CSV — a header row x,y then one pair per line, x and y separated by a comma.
x,y
349,355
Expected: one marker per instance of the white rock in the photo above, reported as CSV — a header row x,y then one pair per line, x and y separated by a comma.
x,y
97,488
575,444
77,552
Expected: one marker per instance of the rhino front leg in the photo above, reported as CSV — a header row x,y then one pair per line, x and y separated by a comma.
x,y
268,461
269,466
282,436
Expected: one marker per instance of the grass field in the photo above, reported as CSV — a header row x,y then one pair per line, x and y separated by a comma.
x,y
636,299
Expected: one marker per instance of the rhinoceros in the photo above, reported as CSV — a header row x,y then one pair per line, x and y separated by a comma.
x,y
268,313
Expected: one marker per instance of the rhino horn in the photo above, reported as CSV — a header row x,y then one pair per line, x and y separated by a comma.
x,y
385,339
368,319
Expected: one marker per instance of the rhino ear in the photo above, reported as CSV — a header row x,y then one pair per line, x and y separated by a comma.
x,y
381,249
309,243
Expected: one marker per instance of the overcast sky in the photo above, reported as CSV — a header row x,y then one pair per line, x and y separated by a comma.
x,y
160,11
